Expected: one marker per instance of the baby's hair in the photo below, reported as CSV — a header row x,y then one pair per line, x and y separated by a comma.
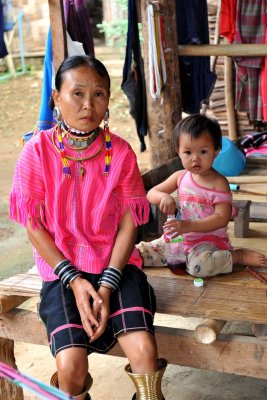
x,y
194,125
74,62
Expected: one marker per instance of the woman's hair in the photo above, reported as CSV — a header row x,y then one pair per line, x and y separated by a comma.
x,y
195,125
74,62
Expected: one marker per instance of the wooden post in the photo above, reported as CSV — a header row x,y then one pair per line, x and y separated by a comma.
x,y
7,389
58,30
208,330
165,111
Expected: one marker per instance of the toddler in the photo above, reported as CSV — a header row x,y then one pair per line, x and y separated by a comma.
x,y
205,202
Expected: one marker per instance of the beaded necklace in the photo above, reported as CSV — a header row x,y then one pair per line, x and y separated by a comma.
x,y
65,157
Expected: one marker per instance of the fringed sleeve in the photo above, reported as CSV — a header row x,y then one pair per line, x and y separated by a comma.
x,y
27,192
130,191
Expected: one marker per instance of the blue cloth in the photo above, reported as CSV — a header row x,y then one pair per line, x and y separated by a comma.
x,y
3,49
197,81
46,114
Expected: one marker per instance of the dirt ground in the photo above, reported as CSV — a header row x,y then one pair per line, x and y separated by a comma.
x,y
19,109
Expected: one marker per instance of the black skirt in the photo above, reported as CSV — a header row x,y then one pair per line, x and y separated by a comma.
x,y
132,308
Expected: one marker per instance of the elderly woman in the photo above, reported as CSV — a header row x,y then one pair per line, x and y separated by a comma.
x,y
78,190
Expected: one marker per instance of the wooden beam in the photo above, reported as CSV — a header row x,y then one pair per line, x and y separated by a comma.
x,y
207,331
233,50
58,30
165,111
8,390
241,355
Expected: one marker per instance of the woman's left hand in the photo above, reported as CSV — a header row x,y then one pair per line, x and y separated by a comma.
x,y
101,312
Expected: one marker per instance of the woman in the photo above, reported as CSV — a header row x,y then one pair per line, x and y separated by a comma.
x,y
78,190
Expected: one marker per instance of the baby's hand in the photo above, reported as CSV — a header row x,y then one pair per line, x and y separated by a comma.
x,y
167,204
175,227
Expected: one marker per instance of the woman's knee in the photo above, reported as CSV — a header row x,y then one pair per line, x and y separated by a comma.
x,y
72,367
140,348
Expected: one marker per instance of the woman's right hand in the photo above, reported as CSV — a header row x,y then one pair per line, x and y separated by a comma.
x,y
84,292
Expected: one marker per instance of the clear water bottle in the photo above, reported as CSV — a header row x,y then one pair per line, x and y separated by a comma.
x,y
174,251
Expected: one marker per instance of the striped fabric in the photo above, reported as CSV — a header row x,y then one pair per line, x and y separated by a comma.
x,y
250,29
81,213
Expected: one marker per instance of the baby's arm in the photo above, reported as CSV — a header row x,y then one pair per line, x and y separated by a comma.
x,y
160,195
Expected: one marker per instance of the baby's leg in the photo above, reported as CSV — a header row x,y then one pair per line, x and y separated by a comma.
x,y
248,257
206,260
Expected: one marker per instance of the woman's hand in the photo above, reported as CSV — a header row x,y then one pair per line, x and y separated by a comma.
x,y
101,311
84,292
167,204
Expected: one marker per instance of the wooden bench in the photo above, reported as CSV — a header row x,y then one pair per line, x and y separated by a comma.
x,y
234,297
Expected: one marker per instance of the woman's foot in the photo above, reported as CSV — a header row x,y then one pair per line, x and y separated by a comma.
x,y
249,258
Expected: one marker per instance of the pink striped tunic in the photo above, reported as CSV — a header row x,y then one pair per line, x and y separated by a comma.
x,y
81,213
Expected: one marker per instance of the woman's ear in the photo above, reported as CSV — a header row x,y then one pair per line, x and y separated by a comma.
x,y
55,96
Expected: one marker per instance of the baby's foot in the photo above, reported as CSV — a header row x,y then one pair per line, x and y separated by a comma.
x,y
250,258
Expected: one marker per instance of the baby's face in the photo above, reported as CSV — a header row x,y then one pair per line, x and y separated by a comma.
x,y
197,154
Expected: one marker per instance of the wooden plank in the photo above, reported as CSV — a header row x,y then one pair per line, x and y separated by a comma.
x,y
9,302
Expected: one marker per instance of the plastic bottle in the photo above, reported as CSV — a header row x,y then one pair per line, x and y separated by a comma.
x,y
174,251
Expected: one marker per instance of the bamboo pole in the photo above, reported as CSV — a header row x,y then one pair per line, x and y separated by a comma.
x,y
234,50
229,98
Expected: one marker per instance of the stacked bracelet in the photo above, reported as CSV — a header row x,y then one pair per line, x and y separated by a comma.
x,y
110,278
66,272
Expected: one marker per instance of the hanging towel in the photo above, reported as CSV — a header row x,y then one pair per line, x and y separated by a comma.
x,y
250,29
197,80
133,83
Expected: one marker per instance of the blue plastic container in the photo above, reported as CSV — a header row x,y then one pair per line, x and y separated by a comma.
x,y
230,161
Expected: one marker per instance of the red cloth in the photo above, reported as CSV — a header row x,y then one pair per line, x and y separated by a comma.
x,y
227,19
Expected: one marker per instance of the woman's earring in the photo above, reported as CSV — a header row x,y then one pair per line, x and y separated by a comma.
x,y
106,119
57,114
108,153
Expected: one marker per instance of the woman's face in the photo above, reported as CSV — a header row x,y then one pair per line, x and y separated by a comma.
x,y
83,98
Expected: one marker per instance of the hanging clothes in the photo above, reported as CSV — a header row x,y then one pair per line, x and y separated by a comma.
x,y
197,80
3,49
133,82
227,19
77,20
250,29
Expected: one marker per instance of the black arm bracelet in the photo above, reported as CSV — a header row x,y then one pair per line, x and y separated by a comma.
x,y
66,272
111,277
